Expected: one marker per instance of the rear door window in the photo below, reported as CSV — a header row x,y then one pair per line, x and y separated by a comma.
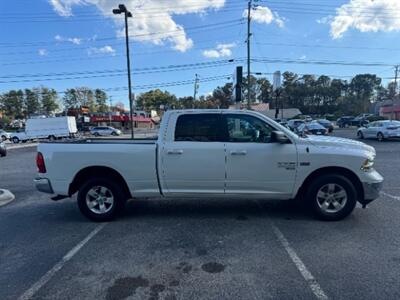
x,y
198,128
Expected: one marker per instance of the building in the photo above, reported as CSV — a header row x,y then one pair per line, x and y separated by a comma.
x,y
122,121
390,110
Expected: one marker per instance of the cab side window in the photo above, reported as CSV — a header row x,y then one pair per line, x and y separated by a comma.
x,y
247,129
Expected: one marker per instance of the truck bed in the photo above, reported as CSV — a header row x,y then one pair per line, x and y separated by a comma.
x,y
103,141
135,160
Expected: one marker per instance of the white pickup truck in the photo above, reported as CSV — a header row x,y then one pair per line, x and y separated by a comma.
x,y
211,153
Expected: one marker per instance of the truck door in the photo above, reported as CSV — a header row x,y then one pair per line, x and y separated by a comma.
x,y
255,165
194,161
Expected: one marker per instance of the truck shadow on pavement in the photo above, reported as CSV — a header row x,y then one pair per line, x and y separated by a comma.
x,y
240,210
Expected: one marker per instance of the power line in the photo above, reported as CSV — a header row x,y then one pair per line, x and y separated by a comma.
x,y
328,46
321,62
219,24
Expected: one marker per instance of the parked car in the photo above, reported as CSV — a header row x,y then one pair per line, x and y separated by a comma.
x,y
311,128
359,122
308,119
211,154
343,122
283,122
380,130
4,135
46,128
294,123
104,131
327,124
3,149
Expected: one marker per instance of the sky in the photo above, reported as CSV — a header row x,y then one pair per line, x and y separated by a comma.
x,y
69,43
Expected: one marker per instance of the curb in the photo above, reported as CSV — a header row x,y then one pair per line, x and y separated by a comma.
x,y
6,197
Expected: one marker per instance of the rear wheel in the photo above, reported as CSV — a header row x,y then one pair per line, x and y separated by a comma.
x,y
332,197
360,135
100,199
52,138
380,137
96,134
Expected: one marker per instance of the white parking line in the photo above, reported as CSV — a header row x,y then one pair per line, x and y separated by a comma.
x,y
21,146
58,266
312,282
390,196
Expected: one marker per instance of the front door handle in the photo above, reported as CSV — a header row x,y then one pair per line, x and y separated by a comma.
x,y
175,151
238,152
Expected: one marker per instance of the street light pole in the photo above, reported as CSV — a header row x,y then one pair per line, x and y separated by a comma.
x,y
122,9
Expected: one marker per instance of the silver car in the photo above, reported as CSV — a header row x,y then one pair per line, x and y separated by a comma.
x,y
104,131
380,130
4,135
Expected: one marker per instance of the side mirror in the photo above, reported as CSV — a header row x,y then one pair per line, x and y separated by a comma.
x,y
279,137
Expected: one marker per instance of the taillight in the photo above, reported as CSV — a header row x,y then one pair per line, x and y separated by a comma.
x,y
40,163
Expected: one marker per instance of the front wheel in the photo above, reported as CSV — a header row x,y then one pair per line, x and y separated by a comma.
x,y
360,135
332,197
380,137
15,140
3,138
100,199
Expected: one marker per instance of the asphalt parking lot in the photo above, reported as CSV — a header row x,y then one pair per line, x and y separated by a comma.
x,y
197,249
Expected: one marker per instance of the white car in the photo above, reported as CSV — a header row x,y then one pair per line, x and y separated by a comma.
x,y
4,135
104,131
380,130
211,154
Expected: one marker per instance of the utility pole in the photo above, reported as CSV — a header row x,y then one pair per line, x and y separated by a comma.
x,y
396,72
110,109
122,9
248,53
196,86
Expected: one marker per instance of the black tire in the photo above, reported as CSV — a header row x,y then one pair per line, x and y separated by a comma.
x,y
117,192
114,133
52,138
380,137
338,181
360,135
3,138
15,140
96,134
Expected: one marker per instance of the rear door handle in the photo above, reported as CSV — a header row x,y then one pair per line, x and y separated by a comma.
x,y
238,152
175,151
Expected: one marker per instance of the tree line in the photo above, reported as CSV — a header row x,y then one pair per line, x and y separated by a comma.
x,y
20,104
309,93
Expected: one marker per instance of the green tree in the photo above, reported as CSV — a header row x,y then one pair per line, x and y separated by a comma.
x,y
152,100
12,104
101,100
222,96
265,94
70,99
49,100
185,102
32,101
362,87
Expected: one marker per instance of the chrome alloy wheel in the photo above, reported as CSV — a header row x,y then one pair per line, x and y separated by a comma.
x,y
99,199
331,198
